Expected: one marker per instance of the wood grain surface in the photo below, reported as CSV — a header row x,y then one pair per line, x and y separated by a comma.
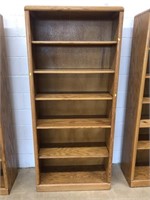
x,y
143,145
73,55
73,96
74,8
74,71
73,123
65,43
135,151
7,134
73,152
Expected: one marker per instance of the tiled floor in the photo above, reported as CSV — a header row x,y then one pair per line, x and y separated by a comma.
x,y
24,189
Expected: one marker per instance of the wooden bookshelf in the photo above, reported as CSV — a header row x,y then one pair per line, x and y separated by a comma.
x,y
8,155
73,55
136,147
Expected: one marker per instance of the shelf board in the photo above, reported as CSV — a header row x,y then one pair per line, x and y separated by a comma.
x,y
73,177
74,71
145,123
146,100
75,43
142,173
73,96
147,76
101,9
73,152
73,123
143,145
80,180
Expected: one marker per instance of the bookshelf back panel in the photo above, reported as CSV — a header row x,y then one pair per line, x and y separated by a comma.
x,y
2,182
71,109
73,83
147,88
145,111
64,136
74,26
73,57
143,157
144,134
1,170
76,163
148,64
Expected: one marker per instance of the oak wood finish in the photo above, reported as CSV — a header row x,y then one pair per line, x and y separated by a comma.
x,y
74,8
145,123
147,75
72,164
67,83
81,56
141,178
8,155
73,123
73,109
2,185
143,145
75,42
74,96
73,57
73,152
142,173
73,181
146,100
136,149
74,71
32,92
73,137
113,90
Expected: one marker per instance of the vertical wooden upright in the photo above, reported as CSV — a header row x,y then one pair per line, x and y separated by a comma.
x,y
8,154
73,55
136,142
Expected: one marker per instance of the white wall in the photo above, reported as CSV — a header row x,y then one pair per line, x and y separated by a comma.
x,y
13,14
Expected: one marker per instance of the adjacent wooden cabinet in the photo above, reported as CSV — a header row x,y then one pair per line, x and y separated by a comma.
x,y
73,55
8,155
136,143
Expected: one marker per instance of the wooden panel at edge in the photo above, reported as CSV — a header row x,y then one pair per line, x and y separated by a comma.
x,y
135,96
73,187
114,94
9,142
32,92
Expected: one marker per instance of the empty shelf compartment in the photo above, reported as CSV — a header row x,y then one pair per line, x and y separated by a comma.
x,y
142,173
